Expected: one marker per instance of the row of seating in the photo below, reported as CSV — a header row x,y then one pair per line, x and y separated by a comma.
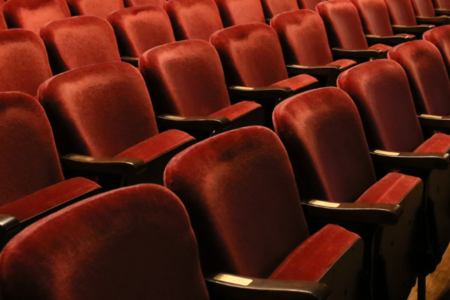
x,y
241,189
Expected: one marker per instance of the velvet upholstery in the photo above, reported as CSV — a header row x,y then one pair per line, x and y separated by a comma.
x,y
141,28
131,3
386,105
304,39
442,4
427,76
308,124
440,37
236,12
251,55
382,94
274,7
104,248
401,12
3,25
24,63
186,79
99,110
424,8
29,161
239,190
308,4
375,18
343,25
79,41
33,14
324,137
194,19
99,8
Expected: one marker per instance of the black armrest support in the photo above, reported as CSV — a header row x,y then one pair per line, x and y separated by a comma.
x,y
387,40
268,20
229,287
368,213
427,161
442,12
259,94
106,165
420,29
294,70
434,122
357,54
8,224
131,60
205,124
433,20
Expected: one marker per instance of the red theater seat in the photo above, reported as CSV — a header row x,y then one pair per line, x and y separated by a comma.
x,y
31,182
391,124
308,4
78,42
402,13
304,41
194,19
427,77
324,137
345,30
98,8
425,9
139,29
23,61
440,37
252,59
236,12
131,3
274,7
187,85
239,190
104,124
33,14
375,19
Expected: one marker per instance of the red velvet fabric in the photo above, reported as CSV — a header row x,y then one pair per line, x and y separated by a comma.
x,y
424,8
33,14
304,39
442,4
99,8
313,258
391,189
236,12
323,134
79,41
374,16
237,110
343,25
295,83
159,144
251,56
194,19
274,7
240,192
401,12
3,25
381,47
100,110
308,4
427,76
141,28
131,3
132,243
440,37
344,63
47,198
23,61
381,92
28,160
185,78
439,143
